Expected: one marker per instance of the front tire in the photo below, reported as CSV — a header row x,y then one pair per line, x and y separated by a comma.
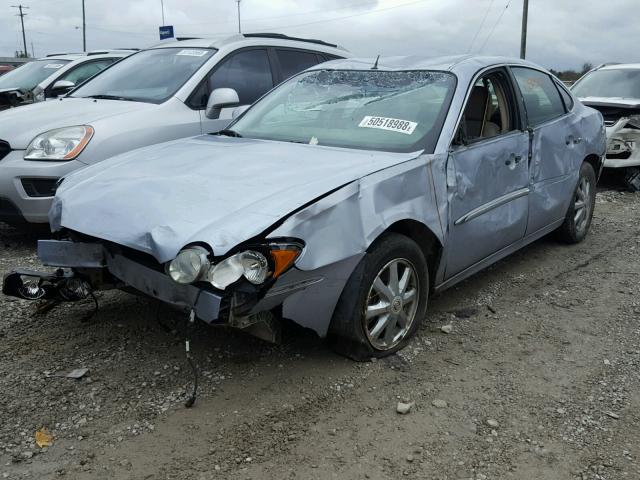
x,y
578,219
383,302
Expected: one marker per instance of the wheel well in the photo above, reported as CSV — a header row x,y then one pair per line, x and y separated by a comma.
x,y
596,163
426,240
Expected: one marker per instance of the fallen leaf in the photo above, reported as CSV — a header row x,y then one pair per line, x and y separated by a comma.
x,y
44,438
78,373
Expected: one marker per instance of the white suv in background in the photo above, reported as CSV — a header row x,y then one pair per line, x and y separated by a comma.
x,y
174,90
53,75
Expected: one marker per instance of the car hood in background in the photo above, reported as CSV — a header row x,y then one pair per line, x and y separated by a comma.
x,y
611,102
217,190
19,126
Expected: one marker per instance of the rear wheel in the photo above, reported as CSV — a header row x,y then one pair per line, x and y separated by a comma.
x,y
383,302
578,219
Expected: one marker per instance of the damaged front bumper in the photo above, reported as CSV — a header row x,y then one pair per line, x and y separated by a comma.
x,y
623,143
91,266
307,298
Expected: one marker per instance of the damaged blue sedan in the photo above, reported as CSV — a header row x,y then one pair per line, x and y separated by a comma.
x,y
340,200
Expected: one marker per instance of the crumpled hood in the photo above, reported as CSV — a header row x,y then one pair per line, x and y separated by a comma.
x,y
217,190
19,126
611,102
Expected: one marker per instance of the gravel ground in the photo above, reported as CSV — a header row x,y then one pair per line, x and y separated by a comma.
x,y
539,378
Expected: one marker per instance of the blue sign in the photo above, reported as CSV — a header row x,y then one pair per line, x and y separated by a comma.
x,y
166,32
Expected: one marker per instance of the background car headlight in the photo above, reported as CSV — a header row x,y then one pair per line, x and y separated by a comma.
x,y
60,144
189,266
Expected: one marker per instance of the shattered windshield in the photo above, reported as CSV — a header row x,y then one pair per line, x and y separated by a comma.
x,y
621,83
378,110
31,74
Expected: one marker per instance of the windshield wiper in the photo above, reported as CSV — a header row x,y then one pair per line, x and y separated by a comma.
x,y
228,133
110,97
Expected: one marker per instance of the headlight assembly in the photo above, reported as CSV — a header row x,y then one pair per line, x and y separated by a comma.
x,y
60,144
256,265
189,266
250,264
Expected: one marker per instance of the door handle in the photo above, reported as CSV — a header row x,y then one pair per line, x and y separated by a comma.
x,y
513,159
569,140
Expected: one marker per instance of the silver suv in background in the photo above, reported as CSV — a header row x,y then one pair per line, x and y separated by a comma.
x,y
53,76
174,90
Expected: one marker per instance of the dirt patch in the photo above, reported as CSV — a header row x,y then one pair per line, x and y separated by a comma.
x,y
538,378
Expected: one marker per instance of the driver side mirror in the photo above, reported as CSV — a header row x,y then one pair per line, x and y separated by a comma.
x,y
61,87
220,98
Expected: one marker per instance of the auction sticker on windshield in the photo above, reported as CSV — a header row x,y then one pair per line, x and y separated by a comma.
x,y
192,53
54,66
392,124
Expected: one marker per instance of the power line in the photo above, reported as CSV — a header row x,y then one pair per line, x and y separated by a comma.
x,y
261,19
484,19
326,20
24,37
495,24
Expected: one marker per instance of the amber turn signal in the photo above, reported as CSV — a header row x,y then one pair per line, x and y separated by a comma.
x,y
283,258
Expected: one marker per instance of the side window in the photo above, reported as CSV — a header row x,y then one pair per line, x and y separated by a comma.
x,y
490,110
294,61
248,72
566,97
541,97
86,70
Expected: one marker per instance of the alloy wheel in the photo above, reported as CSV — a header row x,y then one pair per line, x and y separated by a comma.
x,y
391,305
582,204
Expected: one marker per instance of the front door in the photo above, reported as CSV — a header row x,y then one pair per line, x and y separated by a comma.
x,y
488,168
248,72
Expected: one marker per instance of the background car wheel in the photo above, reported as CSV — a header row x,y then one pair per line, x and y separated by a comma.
x,y
383,302
576,223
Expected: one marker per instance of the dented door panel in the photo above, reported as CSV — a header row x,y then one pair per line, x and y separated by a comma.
x,y
558,148
488,201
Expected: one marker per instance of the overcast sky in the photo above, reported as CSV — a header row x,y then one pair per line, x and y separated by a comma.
x,y
562,33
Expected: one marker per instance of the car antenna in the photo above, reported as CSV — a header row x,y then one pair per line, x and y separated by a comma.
x,y
375,65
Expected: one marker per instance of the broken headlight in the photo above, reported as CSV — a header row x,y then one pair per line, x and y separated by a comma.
x,y
250,264
256,266
189,266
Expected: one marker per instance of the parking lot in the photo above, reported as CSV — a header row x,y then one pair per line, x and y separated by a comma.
x,y
539,378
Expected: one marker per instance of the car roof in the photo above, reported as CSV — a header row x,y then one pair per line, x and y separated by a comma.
x,y
252,39
455,63
94,53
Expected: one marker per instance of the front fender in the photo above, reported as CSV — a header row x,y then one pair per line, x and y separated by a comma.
x,y
344,224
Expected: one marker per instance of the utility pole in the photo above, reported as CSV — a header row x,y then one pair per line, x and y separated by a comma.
x,y
24,38
162,7
84,30
523,37
239,27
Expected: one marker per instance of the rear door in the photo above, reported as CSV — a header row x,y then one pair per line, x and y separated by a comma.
x,y
489,204
290,61
557,147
